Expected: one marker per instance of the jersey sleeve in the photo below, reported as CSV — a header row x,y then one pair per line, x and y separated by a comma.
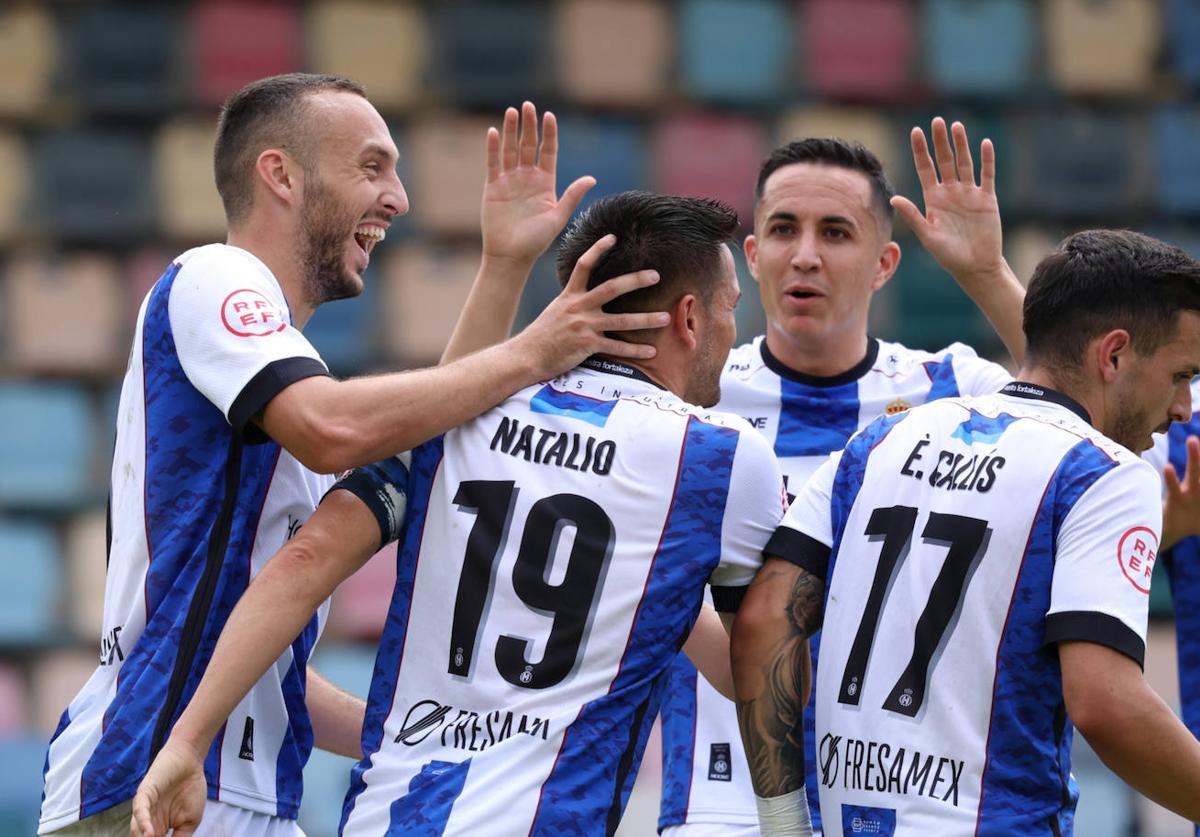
x,y
1105,554
234,337
973,374
383,488
805,536
755,505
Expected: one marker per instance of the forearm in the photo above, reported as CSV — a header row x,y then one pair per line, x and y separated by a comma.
x,y
491,307
1001,297
337,716
708,649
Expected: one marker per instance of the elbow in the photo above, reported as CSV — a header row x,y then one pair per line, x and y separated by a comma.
x,y
328,445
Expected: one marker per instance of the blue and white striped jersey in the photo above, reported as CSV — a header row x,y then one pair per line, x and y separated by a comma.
x,y
553,557
959,543
705,778
200,499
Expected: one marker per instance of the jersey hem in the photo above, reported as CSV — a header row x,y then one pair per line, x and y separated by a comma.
x,y
1100,628
110,800
709,817
251,801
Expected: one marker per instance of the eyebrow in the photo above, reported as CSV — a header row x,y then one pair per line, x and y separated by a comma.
x,y
374,149
827,219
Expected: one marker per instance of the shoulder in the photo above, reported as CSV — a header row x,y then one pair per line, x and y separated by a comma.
x,y
218,269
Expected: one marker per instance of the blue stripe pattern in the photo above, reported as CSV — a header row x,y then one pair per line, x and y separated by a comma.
x,y
679,742
419,485
425,809
297,741
553,402
1027,783
578,794
815,420
983,429
942,383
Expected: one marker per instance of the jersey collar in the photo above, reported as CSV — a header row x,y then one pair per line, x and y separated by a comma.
x,y
599,363
852,374
1037,392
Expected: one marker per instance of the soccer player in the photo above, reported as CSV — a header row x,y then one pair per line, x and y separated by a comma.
x,y
229,424
980,570
820,249
553,558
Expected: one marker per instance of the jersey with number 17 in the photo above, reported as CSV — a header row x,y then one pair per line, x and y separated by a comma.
x,y
959,544
553,557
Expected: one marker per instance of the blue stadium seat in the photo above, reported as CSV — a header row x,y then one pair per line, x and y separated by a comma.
x,y
1181,26
121,58
46,447
1176,138
344,331
21,761
612,150
734,51
92,186
979,47
31,581
491,54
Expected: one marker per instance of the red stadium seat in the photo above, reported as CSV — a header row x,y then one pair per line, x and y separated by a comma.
x,y
613,53
710,156
859,49
235,42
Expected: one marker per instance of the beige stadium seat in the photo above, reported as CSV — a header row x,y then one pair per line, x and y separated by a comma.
x,y
614,53
28,58
56,678
189,207
1101,46
381,45
84,551
866,125
14,184
424,288
65,316
446,172
1025,246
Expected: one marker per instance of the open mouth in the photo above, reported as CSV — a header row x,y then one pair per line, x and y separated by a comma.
x,y
368,235
803,294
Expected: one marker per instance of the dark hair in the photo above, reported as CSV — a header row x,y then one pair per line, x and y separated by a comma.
x,y
681,238
268,113
830,151
1099,280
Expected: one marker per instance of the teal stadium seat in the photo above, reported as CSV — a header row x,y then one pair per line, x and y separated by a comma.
x,y
21,761
46,448
491,54
979,47
1176,138
234,42
120,59
31,579
735,51
859,49
1182,30
91,186
611,149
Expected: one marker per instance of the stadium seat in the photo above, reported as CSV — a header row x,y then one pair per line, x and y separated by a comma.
x,y
869,126
189,208
541,288
361,602
21,760
234,42
344,331
14,186
424,288
55,679
1176,138
29,55
735,51
611,149
120,58
712,156
859,49
979,47
491,54
615,54
1081,164
14,702
446,172
86,554
143,268
382,45
31,578
1027,245
66,315
1181,26
1101,46
91,186
46,449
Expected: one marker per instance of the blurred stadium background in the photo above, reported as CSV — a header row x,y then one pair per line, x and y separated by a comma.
x,y
107,112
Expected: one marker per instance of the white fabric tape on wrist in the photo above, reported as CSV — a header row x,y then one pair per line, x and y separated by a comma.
x,y
784,816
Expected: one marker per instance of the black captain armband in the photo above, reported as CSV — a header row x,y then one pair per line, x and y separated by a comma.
x,y
797,548
728,599
383,487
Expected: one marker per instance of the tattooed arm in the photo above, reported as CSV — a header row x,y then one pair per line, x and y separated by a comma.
x,y
772,672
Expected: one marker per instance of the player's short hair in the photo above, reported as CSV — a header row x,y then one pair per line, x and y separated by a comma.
x,y
268,113
1096,281
840,153
681,238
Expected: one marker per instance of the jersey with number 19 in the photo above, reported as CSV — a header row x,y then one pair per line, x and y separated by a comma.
x,y
958,545
553,557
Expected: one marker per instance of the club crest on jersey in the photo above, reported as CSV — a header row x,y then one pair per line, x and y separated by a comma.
x,y
247,313
1136,553
897,406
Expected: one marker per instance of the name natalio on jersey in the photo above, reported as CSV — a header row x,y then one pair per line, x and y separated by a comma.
x,y
543,446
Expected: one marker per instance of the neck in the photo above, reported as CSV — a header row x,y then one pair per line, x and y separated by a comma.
x,y
823,356
661,373
1071,388
278,254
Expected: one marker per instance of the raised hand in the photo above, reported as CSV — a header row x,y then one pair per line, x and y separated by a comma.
x,y
521,211
171,795
1181,508
961,224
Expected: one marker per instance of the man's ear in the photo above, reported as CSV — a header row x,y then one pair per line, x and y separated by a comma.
x,y
684,320
750,248
278,173
889,260
1111,352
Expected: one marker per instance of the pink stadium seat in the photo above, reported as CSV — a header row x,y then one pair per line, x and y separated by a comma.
x,y
14,704
237,41
860,49
710,156
360,604
84,550
613,53
424,288
55,680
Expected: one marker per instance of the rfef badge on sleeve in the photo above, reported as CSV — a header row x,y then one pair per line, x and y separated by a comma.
x,y
719,768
